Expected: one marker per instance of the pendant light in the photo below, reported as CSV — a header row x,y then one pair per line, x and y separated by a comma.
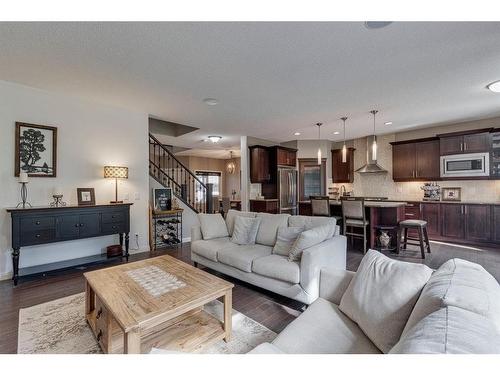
x,y
231,166
344,147
319,142
374,143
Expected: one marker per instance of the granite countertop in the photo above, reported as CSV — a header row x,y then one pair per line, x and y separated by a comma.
x,y
368,203
264,199
451,202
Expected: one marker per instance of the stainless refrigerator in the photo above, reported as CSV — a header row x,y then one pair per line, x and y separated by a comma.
x,y
287,190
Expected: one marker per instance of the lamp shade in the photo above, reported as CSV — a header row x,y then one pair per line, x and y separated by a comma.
x,y
115,172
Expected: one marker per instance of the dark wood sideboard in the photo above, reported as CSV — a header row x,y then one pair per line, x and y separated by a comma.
x,y
44,225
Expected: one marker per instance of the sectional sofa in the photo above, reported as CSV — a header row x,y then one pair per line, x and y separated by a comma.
x,y
456,310
256,264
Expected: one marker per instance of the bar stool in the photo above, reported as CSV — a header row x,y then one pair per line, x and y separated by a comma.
x,y
354,216
320,206
423,239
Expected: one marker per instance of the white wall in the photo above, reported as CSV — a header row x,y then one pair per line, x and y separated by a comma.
x,y
90,135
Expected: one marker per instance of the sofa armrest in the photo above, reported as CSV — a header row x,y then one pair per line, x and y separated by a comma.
x,y
329,253
196,233
333,283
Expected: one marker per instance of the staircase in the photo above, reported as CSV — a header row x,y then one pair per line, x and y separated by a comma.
x,y
165,168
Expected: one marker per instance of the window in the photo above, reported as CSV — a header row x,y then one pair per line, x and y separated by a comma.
x,y
206,177
312,178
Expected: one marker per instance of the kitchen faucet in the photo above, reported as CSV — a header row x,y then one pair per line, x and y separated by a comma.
x,y
342,190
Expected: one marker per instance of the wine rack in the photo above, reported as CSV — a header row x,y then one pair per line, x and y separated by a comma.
x,y
166,228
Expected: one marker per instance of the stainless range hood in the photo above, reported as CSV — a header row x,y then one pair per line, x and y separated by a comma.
x,y
371,165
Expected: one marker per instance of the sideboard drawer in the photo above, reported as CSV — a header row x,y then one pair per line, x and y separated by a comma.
x,y
111,228
38,237
37,223
113,217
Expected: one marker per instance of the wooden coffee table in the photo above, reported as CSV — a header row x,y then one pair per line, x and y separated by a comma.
x,y
157,302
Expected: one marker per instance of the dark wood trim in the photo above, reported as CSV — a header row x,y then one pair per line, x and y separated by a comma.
x,y
285,148
17,166
465,132
414,141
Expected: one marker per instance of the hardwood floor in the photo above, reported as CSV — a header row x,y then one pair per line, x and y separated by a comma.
x,y
269,309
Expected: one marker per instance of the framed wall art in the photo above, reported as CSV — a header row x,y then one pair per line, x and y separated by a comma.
x,y
86,196
162,199
35,150
451,194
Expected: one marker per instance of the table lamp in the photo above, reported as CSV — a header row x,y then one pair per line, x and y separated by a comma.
x,y
116,173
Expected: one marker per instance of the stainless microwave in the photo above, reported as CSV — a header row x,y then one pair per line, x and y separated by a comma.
x,y
466,165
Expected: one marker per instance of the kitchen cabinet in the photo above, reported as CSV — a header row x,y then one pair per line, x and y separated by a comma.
x,y
286,157
343,172
415,161
477,222
464,143
430,212
453,221
264,205
259,164
496,223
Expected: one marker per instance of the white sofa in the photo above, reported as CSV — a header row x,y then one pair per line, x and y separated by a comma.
x,y
457,311
255,264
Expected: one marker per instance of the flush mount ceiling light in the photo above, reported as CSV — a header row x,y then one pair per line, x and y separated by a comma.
x,y
296,133
210,101
336,133
388,123
214,138
494,86
377,24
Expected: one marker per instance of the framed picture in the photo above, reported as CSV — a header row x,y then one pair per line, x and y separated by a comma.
x,y
35,150
451,194
162,199
86,196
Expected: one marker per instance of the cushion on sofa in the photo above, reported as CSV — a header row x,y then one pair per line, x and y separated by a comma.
x,y
285,239
212,226
231,216
245,230
450,330
243,256
321,329
307,239
268,228
277,267
382,295
209,248
309,222
462,284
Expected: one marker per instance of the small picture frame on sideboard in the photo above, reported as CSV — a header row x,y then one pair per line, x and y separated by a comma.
x,y
86,196
451,194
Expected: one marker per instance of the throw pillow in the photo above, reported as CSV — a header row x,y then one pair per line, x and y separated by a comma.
x,y
381,297
212,226
308,239
245,230
285,239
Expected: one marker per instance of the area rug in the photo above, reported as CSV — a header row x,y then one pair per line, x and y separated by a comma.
x,y
59,326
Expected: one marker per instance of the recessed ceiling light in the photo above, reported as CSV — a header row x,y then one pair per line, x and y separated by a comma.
x,y
214,138
296,133
494,86
336,133
377,24
388,123
210,101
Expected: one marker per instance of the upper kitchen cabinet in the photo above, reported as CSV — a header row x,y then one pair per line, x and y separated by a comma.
x,y
464,143
343,172
415,160
286,156
259,164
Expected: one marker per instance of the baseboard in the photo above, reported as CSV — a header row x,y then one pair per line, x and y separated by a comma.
x,y
6,276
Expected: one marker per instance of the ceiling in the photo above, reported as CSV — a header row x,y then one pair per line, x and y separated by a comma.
x,y
271,79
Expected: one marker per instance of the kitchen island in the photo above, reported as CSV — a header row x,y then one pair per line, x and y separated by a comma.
x,y
381,215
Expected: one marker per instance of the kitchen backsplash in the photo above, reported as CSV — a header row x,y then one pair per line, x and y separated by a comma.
x,y
377,185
